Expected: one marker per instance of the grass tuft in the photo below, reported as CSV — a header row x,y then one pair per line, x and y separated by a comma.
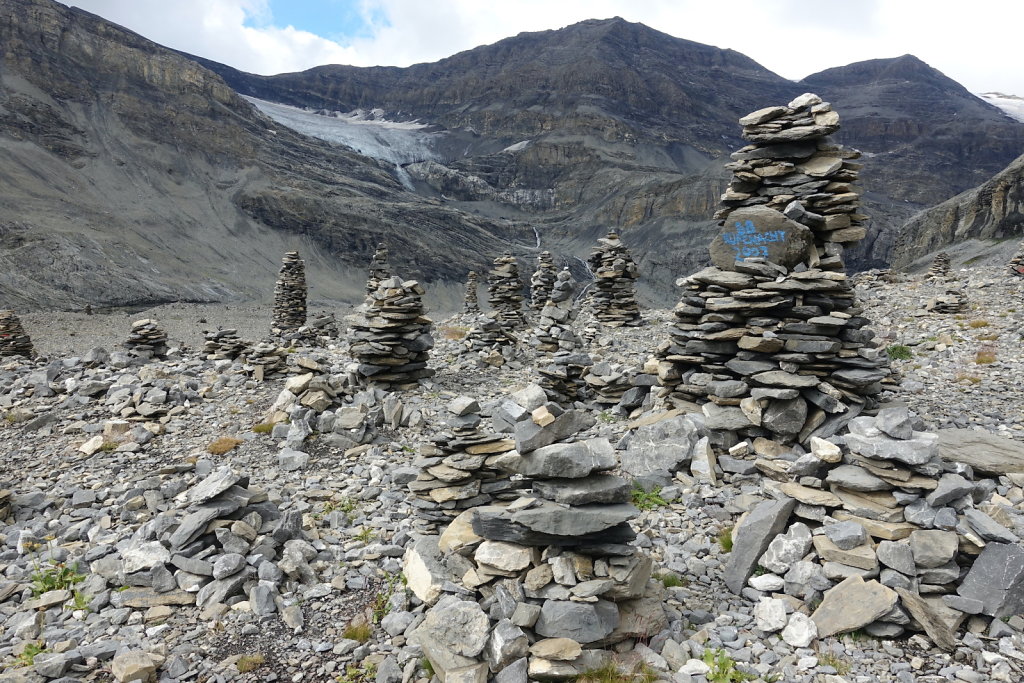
x,y
725,539
723,668
223,445
899,352
610,673
247,663
358,632
263,428
975,324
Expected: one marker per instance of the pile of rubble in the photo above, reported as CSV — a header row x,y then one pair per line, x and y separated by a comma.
x,y
491,342
939,267
471,304
454,474
320,331
546,586
267,358
562,376
290,295
13,339
223,345
505,292
613,300
542,281
953,301
380,269
147,340
391,337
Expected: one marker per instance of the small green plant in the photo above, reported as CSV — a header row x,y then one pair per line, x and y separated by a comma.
x,y
606,417
725,539
671,579
967,377
842,666
359,632
263,428
108,446
354,674
366,534
988,337
28,654
609,672
380,603
723,668
80,601
58,576
899,352
975,324
247,663
648,500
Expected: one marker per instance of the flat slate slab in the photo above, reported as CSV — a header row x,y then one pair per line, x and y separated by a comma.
x,y
751,538
986,453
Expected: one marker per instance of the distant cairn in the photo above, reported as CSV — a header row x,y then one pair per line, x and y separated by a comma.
x,y
13,339
505,292
1016,264
470,303
939,268
290,295
380,269
953,301
614,296
542,281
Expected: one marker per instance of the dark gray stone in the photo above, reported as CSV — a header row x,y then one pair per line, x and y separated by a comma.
x,y
896,422
988,528
856,479
785,417
846,535
662,446
751,539
584,622
561,460
598,488
531,436
760,232
996,579
949,488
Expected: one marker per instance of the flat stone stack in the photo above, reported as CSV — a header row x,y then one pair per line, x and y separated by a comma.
x,y
562,376
320,331
614,292
1016,264
609,382
939,267
553,569
13,339
505,292
493,343
380,269
453,470
554,329
147,340
223,345
290,294
267,358
886,534
953,301
471,303
542,281
391,337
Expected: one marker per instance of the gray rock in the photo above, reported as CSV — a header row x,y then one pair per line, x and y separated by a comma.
x,y
727,418
663,446
852,604
787,548
261,599
751,539
52,664
933,548
897,555
856,479
516,672
565,460
227,565
950,487
531,436
557,520
216,483
785,417
597,488
459,626
920,513
985,452
762,232
846,535
291,460
988,528
896,422
584,622
996,579
507,644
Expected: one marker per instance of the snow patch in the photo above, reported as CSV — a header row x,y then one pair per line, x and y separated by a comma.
x,y
1011,105
519,146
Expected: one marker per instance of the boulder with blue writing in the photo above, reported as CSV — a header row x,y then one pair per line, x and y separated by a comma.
x,y
762,233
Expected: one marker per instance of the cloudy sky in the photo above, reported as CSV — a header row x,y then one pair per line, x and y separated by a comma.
x,y
973,42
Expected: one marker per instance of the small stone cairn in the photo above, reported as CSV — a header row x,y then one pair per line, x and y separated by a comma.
x,y
290,295
147,339
953,301
1016,264
614,297
493,343
471,304
553,568
223,345
454,474
770,338
13,339
391,337
939,267
505,292
561,375
380,269
267,359
542,281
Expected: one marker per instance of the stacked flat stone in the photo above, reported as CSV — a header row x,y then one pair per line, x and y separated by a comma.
x,y
290,294
613,299
609,382
13,339
146,339
223,345
453,471
493,343
320,331
542,281
953,301
391,337
5,504
562,376
939,267
267,358
380,269
471,304
792,168
505,292
554,328
1016,264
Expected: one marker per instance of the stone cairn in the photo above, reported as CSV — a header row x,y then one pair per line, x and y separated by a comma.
x,y
1016,264
609,382
561,375
13,339
471,304
380,269
614,297
147,339
223,345
491,342
939,267
552,569
542,281
391,337
953,301
505,292
453,471
770,338
290,294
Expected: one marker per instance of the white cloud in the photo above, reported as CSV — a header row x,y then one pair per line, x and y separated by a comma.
x,y
974,44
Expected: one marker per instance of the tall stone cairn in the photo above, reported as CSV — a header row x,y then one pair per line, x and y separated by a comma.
x,y
380,269
770,338
471,304
939,267
13,339
391,337
561,376
147,339
290,294
614,296
505,292
1016,264
542,281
